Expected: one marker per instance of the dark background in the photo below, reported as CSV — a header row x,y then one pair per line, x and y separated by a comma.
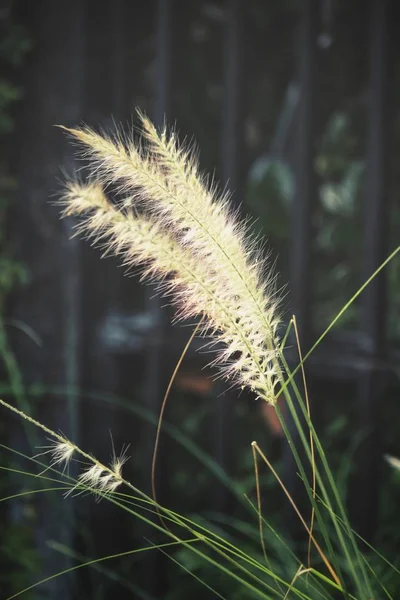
x,y
295,106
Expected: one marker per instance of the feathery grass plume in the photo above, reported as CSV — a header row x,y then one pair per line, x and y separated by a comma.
x,y
195,288
167,179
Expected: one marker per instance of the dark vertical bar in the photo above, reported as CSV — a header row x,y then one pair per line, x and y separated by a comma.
x,y
163,41
156,356
105,98
71,275
375,233
158,365
233,97
374,300
305,180
231,176
301,230
119,54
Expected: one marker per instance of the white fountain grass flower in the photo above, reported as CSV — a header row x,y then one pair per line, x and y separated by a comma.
x,y
194,285
100,479
61,451
166,178
97,477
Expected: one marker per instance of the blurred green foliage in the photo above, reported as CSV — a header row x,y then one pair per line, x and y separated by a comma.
x,y
19,559
337,220
14,45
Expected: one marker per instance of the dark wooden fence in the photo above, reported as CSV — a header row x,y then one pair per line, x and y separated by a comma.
x,y
99,332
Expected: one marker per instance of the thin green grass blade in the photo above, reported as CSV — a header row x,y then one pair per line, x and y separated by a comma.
x,y
184,568
341,313
102,569
329,475
331,481
90,563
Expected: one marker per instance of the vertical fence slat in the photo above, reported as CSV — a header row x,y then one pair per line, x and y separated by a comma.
x,y
375,233
301,216
374,300
101,372
119,59
158,365
232,107
301,234
156,355
231,176
163,66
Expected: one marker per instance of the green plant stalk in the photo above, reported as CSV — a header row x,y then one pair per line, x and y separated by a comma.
x,y
298,460
221,548
31,492
178,540
174,517
224,479
319,445
305,479
331,552
184,543
383,558
187,523
104,570
255,533
323,489
176,434
327,470
309,423
92,562
52,433
254,564
291,380
144,497
184,568
294,557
